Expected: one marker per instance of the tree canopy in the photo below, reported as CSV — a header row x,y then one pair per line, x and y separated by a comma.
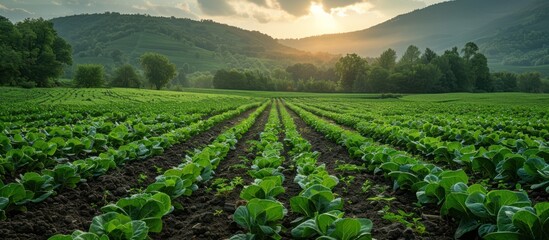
x,y
125,76
31,51
90,76
158,69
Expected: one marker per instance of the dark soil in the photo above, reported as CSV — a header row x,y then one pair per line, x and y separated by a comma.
x,y
205,214
355,200
73,209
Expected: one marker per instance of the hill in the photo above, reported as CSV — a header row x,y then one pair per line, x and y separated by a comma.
x,y
506,30
112,38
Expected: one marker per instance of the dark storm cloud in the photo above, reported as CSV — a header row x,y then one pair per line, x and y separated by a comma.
x,y
216,7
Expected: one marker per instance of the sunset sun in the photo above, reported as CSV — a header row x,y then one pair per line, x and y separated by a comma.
x,y
322,19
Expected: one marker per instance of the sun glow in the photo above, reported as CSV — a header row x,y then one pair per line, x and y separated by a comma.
x,y
317,9
322,19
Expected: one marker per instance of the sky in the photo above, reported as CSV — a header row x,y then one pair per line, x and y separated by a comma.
x,y
278,18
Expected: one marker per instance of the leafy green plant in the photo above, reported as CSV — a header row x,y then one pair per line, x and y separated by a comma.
x,y
266,188
146,207
12,196
177,181
117,226
331,225
65,175
40,185
436,187
314,200
261,218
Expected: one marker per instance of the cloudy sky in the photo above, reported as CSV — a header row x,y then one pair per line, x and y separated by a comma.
x,y
278,18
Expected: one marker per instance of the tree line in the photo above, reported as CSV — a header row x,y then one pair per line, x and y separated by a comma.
x,y
455,70
157,68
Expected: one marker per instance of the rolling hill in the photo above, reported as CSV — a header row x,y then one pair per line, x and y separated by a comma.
x,y
112,38
510,32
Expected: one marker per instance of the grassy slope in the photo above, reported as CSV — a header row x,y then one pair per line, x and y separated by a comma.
x,y
203,45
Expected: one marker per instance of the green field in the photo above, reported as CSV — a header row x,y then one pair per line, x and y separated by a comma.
x,y
161,164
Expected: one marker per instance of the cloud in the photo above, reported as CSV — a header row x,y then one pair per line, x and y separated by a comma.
x,y
216,7
262,3
177,10
330,4
394,7
294,7
4,8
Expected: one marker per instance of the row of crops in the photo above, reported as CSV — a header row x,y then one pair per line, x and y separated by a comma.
x,y
478,166
450,172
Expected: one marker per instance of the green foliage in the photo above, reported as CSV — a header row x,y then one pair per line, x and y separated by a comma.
x,y
347,68
146,207
261,218
266,188
158,69
125,76
332,225
315,200
31,52
387,59
118,226
90,76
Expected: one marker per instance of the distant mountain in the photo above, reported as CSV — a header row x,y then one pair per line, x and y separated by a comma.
x,y
506,30
112,38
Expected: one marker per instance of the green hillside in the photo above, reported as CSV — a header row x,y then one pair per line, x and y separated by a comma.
x,y
113,38
510,32
521,39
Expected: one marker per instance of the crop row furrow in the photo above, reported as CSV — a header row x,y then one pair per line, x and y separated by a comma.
x,y
35,187
493,214
321,212
139,215
528,165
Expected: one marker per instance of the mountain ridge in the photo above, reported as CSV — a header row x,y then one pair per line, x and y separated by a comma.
x,y
439,27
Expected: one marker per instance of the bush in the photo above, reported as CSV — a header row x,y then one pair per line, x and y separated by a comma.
x,y
90,75
27,84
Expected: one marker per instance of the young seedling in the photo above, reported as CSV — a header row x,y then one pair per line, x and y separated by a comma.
x,y
350,168
366,186
407,219
142,178
218,212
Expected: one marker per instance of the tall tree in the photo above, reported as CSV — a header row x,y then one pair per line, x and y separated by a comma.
x,y
158,69
348,68
481,73
126,77
379,80
460,70
10,57
469,50
411,56
428,56
387,59
44,53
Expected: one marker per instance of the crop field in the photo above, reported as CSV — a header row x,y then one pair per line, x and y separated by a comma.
x,y
205,164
